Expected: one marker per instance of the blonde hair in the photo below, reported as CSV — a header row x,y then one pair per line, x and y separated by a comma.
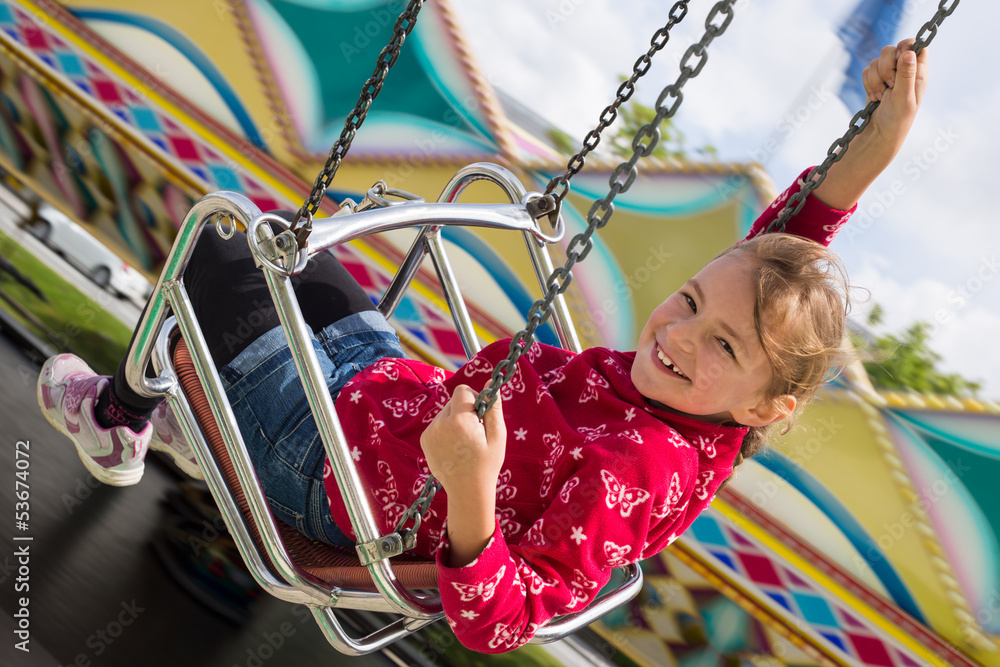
x,y
800,309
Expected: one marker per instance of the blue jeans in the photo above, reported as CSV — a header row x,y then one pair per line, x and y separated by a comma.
x,y
277,424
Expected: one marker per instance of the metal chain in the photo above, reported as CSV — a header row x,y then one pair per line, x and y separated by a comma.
x,y
600,212
602,209
858,123
610,113
561,277
369,91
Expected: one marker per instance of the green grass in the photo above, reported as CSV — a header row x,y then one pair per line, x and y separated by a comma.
x,y
70,321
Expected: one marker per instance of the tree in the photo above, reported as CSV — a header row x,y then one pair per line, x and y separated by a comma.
x,y
906,361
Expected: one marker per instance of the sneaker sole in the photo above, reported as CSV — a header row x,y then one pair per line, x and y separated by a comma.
x,y
182,462
103,475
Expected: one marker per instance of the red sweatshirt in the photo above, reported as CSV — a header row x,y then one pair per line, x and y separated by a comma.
x,y
593,477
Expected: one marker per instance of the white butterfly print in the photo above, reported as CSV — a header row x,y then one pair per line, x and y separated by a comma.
x,y
437,376
555,376
402,406
540,393
554,442
594,381
441,397
505,490
534,581
621,496
581,585
516,384
533,351
701,487
633,435
616,553
673,497
386,367
327,468
570,484
503,635
374,425
509,527
517,583
708,446
483,590
476,365
547,476
676,439
592,433
393,513
535,535
423,474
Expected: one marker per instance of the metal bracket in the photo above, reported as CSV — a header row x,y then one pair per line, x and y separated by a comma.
x,y
544,206
384,547
278,248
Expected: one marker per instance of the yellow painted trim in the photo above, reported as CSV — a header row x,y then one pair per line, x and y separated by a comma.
x,y
157,100
825,582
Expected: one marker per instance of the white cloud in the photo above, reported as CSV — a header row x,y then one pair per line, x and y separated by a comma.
x,y
929,241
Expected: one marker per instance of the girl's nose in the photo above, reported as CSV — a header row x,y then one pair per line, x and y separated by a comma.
x,y
682,335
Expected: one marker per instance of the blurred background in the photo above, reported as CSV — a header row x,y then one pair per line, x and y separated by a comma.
x,y
867,535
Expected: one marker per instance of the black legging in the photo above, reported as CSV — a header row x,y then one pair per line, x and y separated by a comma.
x,y
234,307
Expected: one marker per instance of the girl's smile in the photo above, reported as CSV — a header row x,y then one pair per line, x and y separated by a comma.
x,y
699,354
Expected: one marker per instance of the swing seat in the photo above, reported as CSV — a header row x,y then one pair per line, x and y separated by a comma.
x,y
282,561
336,566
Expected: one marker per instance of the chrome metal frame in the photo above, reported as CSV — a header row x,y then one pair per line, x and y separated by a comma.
x,y
278,260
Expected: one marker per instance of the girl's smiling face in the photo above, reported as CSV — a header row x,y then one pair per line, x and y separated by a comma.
x,y
699,353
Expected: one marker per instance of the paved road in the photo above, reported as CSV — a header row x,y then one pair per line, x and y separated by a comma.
x,y
97,593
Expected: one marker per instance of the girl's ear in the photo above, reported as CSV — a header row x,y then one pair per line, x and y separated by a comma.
x,y
767,412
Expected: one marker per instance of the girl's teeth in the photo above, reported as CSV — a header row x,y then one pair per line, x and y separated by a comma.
x,y
668,362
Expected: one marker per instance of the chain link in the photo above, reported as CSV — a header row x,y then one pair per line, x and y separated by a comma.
x,y
560,278
602,209
369,91
858,123
610,113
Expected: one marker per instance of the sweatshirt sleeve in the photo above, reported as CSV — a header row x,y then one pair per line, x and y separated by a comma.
x,y
816,221
600,519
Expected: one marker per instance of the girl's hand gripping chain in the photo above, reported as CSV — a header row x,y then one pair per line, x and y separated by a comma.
x,y
466,455
898,79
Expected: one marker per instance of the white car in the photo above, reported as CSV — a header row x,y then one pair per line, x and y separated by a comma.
x,y
89,255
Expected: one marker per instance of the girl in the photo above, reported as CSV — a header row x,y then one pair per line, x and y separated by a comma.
x,y
586,462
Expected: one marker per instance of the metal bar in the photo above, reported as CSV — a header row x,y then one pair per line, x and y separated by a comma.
x,y
216,483
404,275
226,421
343,642
452,293
320,402
139,351
541,260
560,626
330,232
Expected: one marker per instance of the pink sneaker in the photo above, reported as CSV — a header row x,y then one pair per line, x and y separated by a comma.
x,y
67,391
169,439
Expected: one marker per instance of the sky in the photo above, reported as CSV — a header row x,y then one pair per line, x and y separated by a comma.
x,y
925,243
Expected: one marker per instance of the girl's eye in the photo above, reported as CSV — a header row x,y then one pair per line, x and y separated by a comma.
x,y
691,303
727,347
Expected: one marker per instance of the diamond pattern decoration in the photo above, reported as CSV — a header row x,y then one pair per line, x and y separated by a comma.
x,y
844,631
422,319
